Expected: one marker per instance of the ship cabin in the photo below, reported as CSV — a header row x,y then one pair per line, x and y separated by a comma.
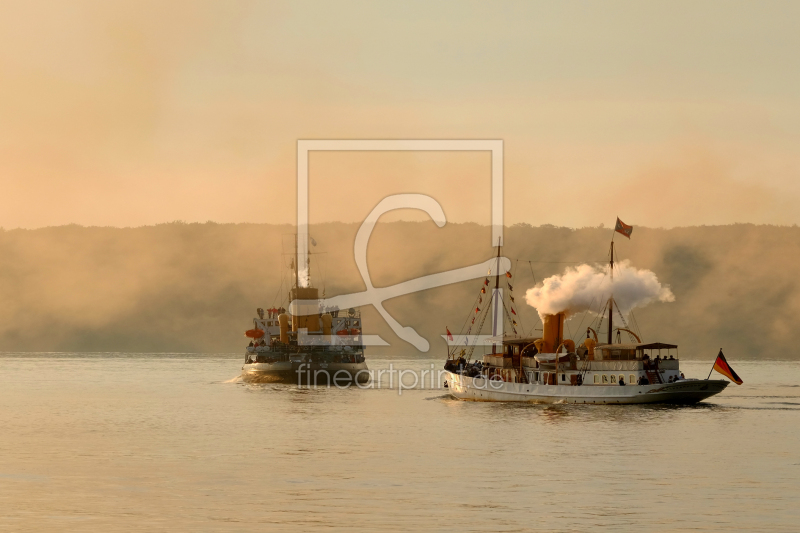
x,y
312,328
553,360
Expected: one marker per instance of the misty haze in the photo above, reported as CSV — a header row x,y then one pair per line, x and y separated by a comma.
x,y
195,287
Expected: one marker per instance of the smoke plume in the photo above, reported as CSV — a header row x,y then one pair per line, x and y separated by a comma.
x,y
586,288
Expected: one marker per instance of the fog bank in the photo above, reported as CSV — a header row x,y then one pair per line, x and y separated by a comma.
x,y
195,287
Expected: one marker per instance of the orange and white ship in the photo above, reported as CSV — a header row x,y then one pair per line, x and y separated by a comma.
x,y
312,346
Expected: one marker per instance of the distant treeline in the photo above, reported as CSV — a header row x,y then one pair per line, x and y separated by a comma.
x,y
195,287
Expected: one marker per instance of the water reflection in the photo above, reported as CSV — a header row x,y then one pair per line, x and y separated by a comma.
x,y
144,444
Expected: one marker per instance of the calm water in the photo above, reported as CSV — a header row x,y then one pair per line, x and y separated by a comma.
x,y
153,442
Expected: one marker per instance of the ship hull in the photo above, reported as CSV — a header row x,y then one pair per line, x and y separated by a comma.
x,y
681,392
305,373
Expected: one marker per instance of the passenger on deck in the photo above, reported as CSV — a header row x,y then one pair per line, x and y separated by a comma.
x,y
682,376
643,381
671,358
622,380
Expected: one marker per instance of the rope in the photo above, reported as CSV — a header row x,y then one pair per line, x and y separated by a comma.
x,y
463,326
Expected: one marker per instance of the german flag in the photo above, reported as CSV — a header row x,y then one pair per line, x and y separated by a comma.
x,y
722,366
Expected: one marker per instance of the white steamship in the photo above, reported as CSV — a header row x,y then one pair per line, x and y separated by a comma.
x,y
553,369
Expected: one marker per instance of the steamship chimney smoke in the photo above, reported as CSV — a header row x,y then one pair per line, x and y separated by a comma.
x,y
587,288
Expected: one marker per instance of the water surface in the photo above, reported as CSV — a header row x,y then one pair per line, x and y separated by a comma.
x,y
130,442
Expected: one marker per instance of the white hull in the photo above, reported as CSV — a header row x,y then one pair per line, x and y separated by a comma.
x,y
681,392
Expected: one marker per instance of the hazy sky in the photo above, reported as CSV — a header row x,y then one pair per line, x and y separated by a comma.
x,y
664,113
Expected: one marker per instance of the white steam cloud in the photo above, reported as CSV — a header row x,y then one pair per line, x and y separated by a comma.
x,y
586,288
303,278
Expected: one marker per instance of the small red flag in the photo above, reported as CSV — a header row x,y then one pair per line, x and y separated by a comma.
x,y
477,309
512,310
483,290
486,281
508,274
449,335
623,228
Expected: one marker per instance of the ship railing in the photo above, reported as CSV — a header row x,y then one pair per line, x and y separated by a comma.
x,y
341,313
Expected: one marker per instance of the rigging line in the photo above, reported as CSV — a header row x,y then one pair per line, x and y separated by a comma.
x,y
532,275
635,324
274,298
538,319
322,265
624,322
471,348
533,328
482,319
638,329
521,322
580,326
475,304
601,315
564,262
507,315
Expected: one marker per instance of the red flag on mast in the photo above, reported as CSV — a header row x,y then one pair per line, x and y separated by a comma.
x,y
449,335
623,228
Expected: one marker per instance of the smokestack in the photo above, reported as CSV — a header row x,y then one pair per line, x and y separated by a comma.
x,y
553,332
304,315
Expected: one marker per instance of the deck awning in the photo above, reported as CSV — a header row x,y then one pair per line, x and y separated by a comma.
x,y
637,346
656,346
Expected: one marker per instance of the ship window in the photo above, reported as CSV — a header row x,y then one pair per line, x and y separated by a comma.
x,y
632,380
535,376
563,377
605,378
597,378
613,378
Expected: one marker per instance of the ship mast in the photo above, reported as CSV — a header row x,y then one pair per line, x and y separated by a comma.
x,y
297,260
495,296
611,297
